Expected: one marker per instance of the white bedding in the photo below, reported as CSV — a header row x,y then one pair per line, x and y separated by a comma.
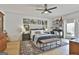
x,y
33,33
42,35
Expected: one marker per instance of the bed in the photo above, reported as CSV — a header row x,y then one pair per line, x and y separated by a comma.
x,y
39,34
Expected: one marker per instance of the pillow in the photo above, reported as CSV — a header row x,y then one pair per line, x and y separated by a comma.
x,y
42,31
37,32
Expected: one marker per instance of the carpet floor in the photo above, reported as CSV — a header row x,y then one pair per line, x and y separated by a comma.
x,y
28,48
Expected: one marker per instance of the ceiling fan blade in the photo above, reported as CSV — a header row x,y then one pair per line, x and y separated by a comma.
x,y
46,10
52,8
49,11
40,9
42,12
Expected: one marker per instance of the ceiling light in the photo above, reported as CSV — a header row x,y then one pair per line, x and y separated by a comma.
x,y
46,12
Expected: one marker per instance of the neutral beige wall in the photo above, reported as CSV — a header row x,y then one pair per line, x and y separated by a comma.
x,y
13,22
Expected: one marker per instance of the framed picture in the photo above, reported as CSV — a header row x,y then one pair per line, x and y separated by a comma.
x,y
32,21
39,22
42,22
45,22
25,21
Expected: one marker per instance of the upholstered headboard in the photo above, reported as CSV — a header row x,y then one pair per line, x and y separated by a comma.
x,y
35,31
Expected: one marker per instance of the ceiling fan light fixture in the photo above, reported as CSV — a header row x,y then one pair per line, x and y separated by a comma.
x,y
46,12
46,9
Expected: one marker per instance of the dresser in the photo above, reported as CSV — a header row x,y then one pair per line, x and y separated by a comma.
x,y
1,21
25,36
74,47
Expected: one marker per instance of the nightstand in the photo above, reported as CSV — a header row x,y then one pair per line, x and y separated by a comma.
x,y
25,36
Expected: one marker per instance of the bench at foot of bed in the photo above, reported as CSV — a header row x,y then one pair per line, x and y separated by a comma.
x,y
44,43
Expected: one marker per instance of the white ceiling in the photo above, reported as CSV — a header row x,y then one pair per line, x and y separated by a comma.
x,y
30,9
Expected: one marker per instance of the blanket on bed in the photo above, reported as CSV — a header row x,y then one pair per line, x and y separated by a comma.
x,y
43,36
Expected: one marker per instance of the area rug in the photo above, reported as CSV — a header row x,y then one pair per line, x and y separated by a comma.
x,y
28,48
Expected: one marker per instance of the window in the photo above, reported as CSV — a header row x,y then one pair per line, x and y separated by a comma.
x,y
70,29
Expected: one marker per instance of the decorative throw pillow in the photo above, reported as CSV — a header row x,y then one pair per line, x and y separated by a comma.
x,y
37,32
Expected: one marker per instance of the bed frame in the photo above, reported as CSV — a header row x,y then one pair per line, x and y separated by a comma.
x,y
44,43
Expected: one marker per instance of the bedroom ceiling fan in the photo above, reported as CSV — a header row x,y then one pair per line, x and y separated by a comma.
x,y
46,9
